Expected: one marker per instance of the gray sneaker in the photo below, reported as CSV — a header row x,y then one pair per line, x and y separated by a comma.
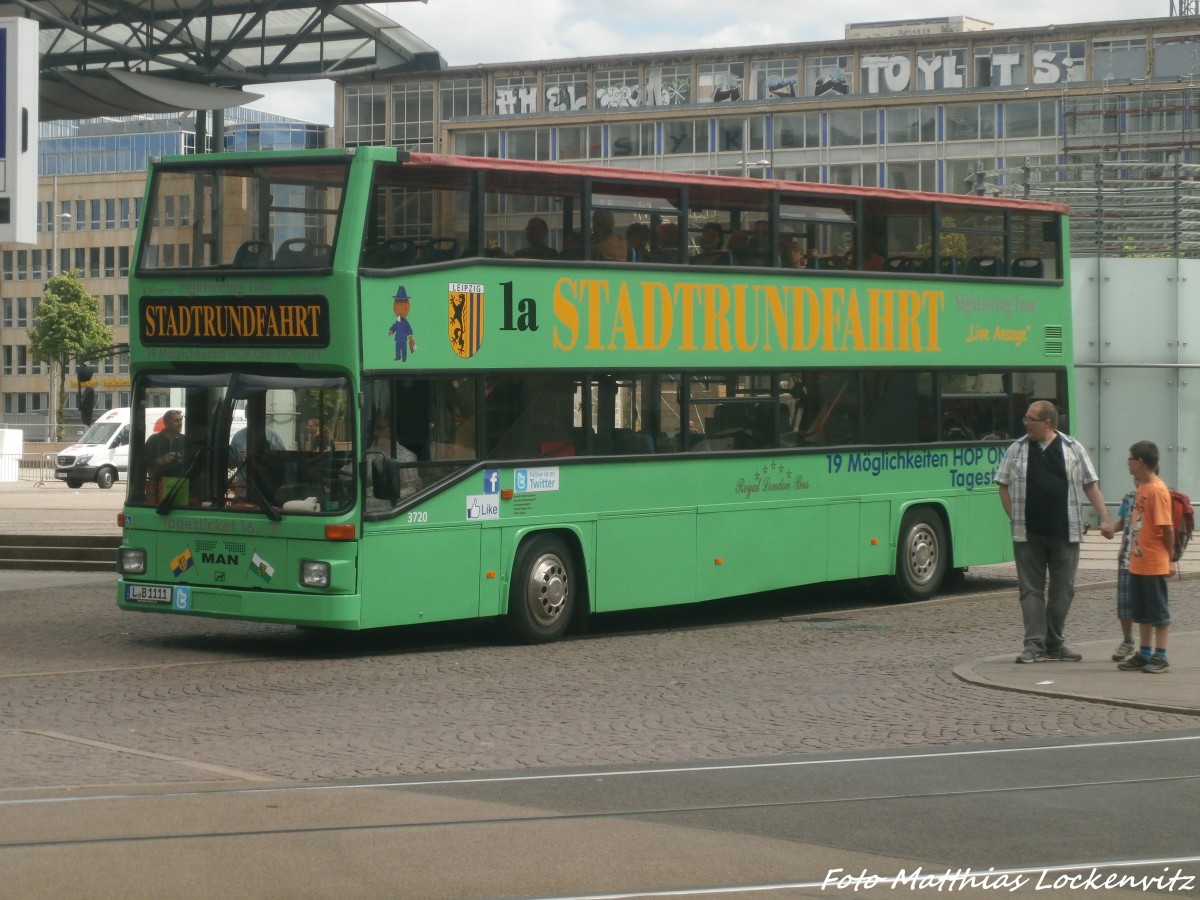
x,y
1063,654
1031,656
1123,652
1156,666
1134,663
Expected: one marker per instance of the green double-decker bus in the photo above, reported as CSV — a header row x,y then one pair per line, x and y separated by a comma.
x,y
418,388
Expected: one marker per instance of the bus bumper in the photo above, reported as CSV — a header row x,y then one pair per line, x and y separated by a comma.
x,y
334,611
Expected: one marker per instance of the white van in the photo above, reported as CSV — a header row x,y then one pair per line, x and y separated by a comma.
x,y
101,455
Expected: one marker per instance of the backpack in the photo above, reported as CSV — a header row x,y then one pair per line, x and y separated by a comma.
x,y
1183,520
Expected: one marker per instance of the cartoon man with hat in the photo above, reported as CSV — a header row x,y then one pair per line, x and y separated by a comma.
x,y
406,342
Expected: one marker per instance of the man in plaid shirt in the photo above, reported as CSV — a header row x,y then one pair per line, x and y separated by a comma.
x,y
1043,479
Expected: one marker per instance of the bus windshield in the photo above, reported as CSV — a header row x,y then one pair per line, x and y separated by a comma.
x,y
243,216
252,443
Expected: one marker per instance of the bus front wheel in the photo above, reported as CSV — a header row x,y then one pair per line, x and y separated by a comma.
x,y
542,597
921,555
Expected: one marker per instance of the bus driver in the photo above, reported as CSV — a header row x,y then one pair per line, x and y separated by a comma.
x,y
164,449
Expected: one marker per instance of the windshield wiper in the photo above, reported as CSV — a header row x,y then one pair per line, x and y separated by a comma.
x,y
260,496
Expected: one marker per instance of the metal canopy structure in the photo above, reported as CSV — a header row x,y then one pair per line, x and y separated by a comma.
x,y
122,57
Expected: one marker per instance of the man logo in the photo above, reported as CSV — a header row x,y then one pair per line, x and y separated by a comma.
x,y
466,318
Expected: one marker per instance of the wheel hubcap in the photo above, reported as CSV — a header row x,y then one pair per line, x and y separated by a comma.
x,y
548,590
922,554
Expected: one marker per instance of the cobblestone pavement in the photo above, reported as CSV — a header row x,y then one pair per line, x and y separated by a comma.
x,y
91,697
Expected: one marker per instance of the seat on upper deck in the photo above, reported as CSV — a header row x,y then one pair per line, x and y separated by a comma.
x,y
253,255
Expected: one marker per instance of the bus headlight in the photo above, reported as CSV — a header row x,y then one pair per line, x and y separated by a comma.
x,y
314,574
131,561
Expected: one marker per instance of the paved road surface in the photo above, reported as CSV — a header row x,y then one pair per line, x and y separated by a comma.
x,y
242,759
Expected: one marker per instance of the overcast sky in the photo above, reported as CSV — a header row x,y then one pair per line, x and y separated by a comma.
x,y
466,32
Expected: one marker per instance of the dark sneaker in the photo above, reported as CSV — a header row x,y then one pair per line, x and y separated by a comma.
x,y
1156,666
1063,654
1135,662
1031,656
1123,652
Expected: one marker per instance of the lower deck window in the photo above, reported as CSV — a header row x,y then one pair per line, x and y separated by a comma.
x,y
426,428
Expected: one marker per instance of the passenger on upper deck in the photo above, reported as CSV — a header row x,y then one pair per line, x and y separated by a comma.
x,y
760,241
637,236
668,243
537,233
572,246
872,260
606,243
794,255
739,246
712,237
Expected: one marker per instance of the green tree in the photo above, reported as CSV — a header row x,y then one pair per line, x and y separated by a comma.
x,y
68,325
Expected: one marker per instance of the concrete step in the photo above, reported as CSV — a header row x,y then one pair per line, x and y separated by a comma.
x,y
105,554
109,541
59,552
56,565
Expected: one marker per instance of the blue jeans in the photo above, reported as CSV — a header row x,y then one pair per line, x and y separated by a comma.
x,y
1044,609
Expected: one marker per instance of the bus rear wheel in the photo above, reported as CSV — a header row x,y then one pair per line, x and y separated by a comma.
x,y
921,555
541,599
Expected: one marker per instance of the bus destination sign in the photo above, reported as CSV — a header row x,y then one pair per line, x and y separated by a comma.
x,y
245,320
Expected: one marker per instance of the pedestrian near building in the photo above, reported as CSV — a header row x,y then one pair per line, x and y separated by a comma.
x,y
320,438
1043,480
1124,522
1152,541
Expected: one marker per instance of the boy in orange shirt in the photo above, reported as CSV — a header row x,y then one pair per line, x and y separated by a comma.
x,y
1152,540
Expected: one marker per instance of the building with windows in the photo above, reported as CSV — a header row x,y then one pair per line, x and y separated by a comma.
x,y
92,175
929,104
1104,116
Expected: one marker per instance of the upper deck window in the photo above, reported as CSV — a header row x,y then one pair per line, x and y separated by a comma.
x,y
245,216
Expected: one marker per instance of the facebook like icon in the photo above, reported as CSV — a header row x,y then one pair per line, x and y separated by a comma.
x,y
491,481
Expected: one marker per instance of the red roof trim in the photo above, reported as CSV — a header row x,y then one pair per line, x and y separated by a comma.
x,y
615,175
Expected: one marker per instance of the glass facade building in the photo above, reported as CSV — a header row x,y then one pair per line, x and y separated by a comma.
x,y
925,104
92,175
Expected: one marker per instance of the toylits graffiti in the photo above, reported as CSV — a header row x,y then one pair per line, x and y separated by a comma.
x,y
512,101
565,97
614,93
780,88
831,82
936,70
